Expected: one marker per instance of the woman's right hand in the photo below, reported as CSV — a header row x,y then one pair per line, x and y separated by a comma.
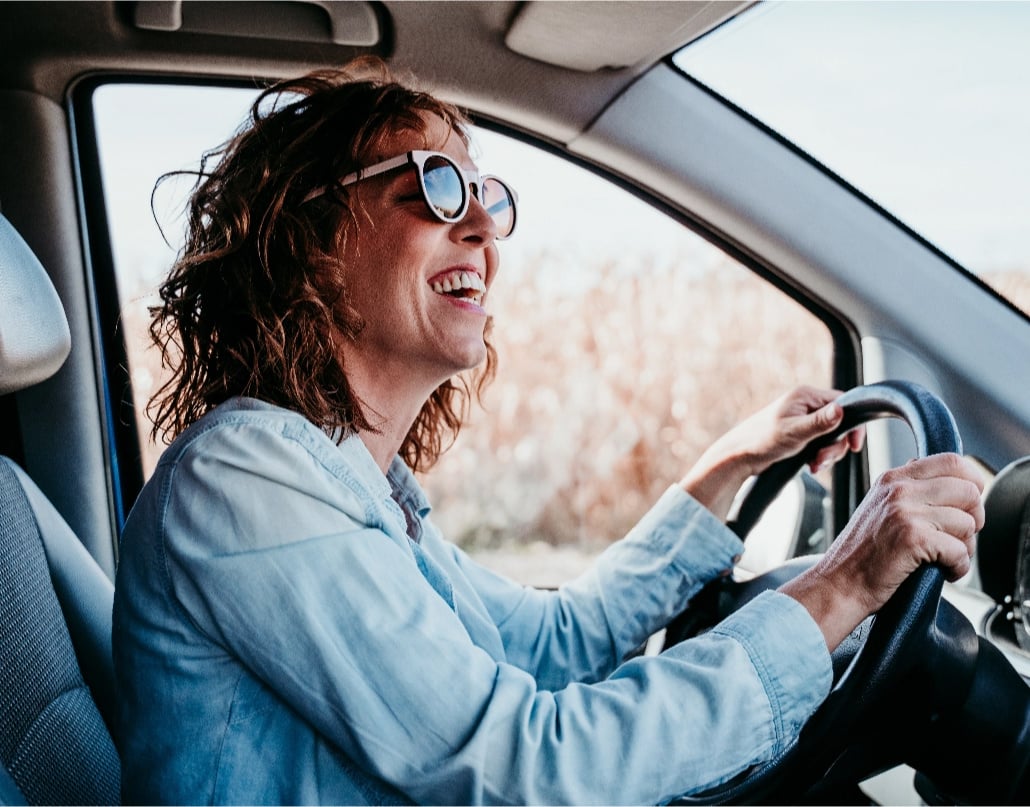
x,y
927,511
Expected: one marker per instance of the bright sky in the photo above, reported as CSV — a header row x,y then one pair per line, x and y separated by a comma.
x,y
925,106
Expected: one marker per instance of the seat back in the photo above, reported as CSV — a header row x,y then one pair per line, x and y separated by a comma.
x,y
53,741
55,602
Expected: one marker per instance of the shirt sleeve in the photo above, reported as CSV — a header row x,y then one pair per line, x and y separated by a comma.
x,y
582,631
336,619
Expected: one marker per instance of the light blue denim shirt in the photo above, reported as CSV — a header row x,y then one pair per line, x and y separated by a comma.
x,y
283,633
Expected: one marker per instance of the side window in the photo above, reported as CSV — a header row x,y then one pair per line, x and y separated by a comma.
x,y
626,342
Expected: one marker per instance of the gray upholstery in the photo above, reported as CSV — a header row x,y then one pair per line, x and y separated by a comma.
x,y
53,741
83,591
9,791
55,602
34,335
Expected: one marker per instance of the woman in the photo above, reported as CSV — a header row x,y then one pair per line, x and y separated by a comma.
x,y
289,625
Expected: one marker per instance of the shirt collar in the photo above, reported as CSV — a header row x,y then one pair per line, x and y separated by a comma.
x,y
406,488
399,482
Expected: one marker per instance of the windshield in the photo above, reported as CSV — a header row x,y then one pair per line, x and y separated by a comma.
x,y
921,106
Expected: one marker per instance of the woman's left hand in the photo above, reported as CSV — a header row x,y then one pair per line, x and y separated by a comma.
x,y
776,432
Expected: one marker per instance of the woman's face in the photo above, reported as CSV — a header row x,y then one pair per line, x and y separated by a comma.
x,y
398,259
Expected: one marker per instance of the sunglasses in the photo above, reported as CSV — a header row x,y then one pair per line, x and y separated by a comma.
x,y
446,188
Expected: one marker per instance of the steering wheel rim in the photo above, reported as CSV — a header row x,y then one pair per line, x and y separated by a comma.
x,y
889,647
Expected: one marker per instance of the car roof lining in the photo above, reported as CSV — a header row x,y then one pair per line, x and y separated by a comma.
x,y
49,53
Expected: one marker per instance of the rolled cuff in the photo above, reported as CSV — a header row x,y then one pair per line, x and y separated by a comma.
x,y
790,656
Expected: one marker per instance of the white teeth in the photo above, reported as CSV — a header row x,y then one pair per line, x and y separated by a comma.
x,y
462,280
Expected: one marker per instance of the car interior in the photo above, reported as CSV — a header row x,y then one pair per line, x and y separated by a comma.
x,y
56,599
935,695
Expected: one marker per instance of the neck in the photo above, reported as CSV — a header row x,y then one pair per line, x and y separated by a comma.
x,y
391,401
384,444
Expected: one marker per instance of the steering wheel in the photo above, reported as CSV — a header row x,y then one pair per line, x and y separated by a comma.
x,y
880,651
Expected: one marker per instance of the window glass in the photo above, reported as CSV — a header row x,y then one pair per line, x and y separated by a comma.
x,y
922,106
626,342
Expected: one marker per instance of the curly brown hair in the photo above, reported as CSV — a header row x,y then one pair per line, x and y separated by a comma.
x,y
256,292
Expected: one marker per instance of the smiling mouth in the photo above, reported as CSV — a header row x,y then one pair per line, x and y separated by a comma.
x,y
460,285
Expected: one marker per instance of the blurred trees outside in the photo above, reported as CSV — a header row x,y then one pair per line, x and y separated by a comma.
x,y
605,395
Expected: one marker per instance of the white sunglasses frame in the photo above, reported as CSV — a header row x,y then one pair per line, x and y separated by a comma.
x,y
418,159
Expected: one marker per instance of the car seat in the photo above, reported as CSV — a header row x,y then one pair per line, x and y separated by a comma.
x,y
56,669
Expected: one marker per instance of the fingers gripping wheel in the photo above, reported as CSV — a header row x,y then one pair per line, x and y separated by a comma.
x,y
888,648
929,419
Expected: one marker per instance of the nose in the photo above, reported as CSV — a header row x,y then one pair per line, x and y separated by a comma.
x,y
476,227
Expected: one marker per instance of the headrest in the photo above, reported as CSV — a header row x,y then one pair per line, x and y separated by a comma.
x,y
997,547
34,335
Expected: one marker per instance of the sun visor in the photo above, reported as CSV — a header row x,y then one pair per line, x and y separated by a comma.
x,y
592,35
352,23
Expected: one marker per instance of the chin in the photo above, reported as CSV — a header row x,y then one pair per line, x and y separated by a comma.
x,y
474,363
474,356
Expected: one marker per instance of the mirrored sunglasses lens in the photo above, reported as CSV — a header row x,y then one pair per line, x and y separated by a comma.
x,y
445,187
498,201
